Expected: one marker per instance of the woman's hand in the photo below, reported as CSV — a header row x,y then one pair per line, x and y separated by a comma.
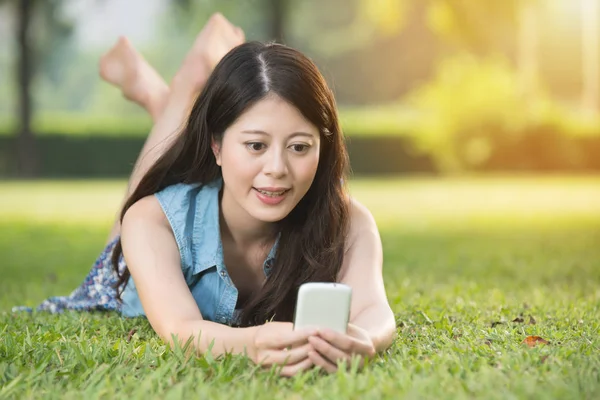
x,y
331,347
276,343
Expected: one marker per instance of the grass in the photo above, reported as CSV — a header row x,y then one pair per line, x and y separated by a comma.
x,y
466,260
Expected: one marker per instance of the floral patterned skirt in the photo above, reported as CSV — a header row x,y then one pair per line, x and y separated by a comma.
x,y
96,293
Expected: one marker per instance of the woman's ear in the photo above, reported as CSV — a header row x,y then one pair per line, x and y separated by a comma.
x,y
216,148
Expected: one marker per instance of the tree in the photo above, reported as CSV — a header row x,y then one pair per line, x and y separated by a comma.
x,y
26,148
32,52
277,18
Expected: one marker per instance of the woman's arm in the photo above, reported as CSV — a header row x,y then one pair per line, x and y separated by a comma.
x,y
362,270
221,339
153,259
380,327
372,326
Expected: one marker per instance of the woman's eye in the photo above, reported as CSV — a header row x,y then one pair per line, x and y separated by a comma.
x,y
300,148
255,146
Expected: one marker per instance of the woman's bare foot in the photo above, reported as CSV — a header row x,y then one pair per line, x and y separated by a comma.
x,y
125,68
215,40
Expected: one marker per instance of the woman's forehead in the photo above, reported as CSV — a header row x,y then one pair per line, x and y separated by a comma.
x,y
272,115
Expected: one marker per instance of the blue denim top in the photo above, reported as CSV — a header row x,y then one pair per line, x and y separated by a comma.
x,y
193,213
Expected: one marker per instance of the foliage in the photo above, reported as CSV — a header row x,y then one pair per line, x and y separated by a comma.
x,y
465,99
468,25
472,105
325,34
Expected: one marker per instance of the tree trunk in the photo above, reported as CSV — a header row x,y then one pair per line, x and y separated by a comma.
x,y
527,57
590,57
278,13
26,151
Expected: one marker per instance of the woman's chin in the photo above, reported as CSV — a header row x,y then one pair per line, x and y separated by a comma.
x,y
270,216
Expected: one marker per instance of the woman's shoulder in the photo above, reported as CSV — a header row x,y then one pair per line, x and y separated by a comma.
x,y
170,204
361,221
360,216
146,213
152,206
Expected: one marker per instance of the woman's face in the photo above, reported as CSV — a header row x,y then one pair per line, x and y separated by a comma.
x,y
268,157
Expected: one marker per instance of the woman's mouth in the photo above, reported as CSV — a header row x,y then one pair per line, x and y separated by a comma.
x,y
271,197
270,193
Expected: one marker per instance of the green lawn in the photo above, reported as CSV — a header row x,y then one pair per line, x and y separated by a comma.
x,y
465,260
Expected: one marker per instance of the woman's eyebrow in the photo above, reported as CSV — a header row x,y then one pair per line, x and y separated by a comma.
x,y
256,131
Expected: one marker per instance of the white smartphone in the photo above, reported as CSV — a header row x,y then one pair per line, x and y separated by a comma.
x,y
323,305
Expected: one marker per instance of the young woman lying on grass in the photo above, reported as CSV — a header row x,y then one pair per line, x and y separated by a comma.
x,y
233,205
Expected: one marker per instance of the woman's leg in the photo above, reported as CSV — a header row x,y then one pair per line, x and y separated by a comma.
x,y
125,68
214,41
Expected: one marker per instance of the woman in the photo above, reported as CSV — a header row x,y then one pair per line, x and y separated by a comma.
x,y
227,216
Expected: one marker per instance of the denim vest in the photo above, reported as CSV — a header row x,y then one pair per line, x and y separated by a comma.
x,y
193,213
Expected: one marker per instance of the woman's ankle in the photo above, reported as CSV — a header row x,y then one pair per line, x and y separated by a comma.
x,y
182,90
190,78
157,101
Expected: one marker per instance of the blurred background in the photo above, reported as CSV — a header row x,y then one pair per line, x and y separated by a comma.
x,y
423,86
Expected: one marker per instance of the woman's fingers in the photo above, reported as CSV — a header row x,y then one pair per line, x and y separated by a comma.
x,y
327,350
291,370
319,361
290,357
348,343
292,338
341,341
276,335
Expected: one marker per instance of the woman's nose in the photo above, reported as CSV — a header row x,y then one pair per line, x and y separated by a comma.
x,y
275,164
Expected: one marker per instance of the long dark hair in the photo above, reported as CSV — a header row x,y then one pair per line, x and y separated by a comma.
x,y
312,235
